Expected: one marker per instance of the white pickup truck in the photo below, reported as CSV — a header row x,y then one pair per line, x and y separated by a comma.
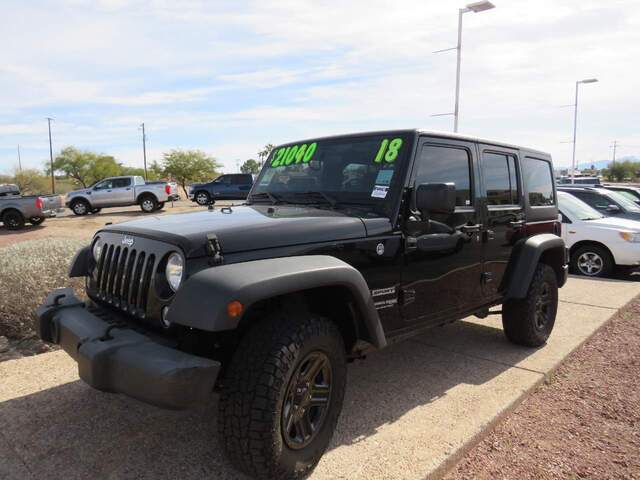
x,y
119,192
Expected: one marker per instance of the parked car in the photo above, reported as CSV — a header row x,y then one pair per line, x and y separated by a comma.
x,y
119,192
346,244
232,186
597,243
17,209
578,180
629,191
607,202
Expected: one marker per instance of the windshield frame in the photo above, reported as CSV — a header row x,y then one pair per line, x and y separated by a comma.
x,y
387,207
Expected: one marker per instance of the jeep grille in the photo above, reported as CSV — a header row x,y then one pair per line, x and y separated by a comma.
x,y
123,277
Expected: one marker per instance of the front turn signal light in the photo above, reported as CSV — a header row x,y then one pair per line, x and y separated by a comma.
x,y
234,309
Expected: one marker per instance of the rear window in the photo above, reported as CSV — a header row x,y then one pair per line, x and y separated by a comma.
x,y
538,181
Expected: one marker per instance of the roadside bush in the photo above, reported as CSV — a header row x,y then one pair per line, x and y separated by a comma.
x,y
28,272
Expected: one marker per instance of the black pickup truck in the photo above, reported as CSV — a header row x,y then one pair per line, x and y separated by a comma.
x,y
345,245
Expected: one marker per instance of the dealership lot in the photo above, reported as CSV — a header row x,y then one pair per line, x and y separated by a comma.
x,y
410,410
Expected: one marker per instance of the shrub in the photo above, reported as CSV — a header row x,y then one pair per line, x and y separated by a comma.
x,y
28,272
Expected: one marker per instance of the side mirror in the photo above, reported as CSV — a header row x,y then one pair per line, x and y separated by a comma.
x,y
436,198
613,208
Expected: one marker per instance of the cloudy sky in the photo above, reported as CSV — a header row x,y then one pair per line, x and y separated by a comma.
x,y
229,77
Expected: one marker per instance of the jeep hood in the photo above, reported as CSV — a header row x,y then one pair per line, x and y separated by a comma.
x,y
246,228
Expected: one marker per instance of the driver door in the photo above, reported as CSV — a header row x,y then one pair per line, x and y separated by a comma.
x,y
442,278
102,193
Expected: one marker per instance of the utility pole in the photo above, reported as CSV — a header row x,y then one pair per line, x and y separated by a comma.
x,y
144,151
53,183
615,144
19,160
575,127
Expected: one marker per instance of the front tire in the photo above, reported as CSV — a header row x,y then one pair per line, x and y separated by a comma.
x,y
148,204
282,395
202,198
13,220
529,321
592,261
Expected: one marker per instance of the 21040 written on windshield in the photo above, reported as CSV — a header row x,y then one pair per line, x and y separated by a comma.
x,y
283,156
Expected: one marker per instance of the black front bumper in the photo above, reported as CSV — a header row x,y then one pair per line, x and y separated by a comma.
x,y
113,358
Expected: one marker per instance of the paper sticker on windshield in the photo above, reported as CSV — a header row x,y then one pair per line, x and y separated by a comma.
x,y
380,191
384,177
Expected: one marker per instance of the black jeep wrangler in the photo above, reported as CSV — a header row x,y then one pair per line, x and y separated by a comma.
x,y
345,245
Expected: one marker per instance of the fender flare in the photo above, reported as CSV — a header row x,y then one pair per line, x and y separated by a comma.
x,y
526,257
202,301
147,194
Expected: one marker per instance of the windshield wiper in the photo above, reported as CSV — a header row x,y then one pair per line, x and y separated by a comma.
x,y
327,198
266,195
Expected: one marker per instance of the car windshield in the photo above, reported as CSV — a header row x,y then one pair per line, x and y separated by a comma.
x,y
627,204
356,170
576,208
627,195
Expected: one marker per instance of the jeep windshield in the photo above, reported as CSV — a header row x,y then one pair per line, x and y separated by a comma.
x,y
364,171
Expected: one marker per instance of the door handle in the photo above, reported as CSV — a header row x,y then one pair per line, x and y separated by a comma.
x,y
471,228
128,188
517,224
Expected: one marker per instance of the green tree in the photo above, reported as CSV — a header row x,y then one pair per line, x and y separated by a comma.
x,y
85,167
250,166
31,181
155,171
187,166
265,152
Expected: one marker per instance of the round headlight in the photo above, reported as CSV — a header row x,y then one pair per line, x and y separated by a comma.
x,y
175,267
97,250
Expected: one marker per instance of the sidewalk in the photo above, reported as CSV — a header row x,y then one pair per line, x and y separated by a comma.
x,y
409,411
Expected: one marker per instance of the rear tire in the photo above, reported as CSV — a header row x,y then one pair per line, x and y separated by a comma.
x,y
148,204
282,395
36,220
202,198
592,261
13,220
529,321
80,207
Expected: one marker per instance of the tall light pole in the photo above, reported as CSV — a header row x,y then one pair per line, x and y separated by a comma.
x,y
575,125
144,150
53,183
19,160
472,7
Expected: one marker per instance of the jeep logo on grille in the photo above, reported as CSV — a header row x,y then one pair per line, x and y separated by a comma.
x,y
128,241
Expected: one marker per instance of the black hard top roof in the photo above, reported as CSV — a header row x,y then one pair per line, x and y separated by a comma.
x,y
420,131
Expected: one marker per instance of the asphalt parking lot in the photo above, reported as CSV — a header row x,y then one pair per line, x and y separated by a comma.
x,y
410,410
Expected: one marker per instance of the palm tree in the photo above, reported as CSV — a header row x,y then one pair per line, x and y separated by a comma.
x,y
265,152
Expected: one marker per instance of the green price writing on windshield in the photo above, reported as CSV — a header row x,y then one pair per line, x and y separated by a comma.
x,y
388,150
293,154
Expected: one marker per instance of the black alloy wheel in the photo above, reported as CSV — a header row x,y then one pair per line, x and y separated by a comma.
x,y
307,400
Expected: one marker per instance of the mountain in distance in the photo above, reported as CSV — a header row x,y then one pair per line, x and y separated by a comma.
x,y
600,164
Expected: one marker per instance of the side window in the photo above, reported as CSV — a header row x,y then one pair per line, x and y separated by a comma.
x,y
446,164
500,178
538,181
121,182
105,184
590,199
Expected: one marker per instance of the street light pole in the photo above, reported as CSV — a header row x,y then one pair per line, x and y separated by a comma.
x,y
19,160
53,183
144,151
472,7
575,126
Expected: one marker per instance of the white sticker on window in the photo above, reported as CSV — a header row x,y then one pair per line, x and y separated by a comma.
x,y
380,191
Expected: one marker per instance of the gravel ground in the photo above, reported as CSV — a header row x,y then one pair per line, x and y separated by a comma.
x,y
28,272
582,423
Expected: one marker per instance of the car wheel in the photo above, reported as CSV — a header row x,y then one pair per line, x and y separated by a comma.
x,y
13,220
282,395
80,207
592,261
202,198
148,204
36,220
529,321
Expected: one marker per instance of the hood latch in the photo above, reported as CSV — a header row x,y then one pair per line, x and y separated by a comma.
x,y
214,250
